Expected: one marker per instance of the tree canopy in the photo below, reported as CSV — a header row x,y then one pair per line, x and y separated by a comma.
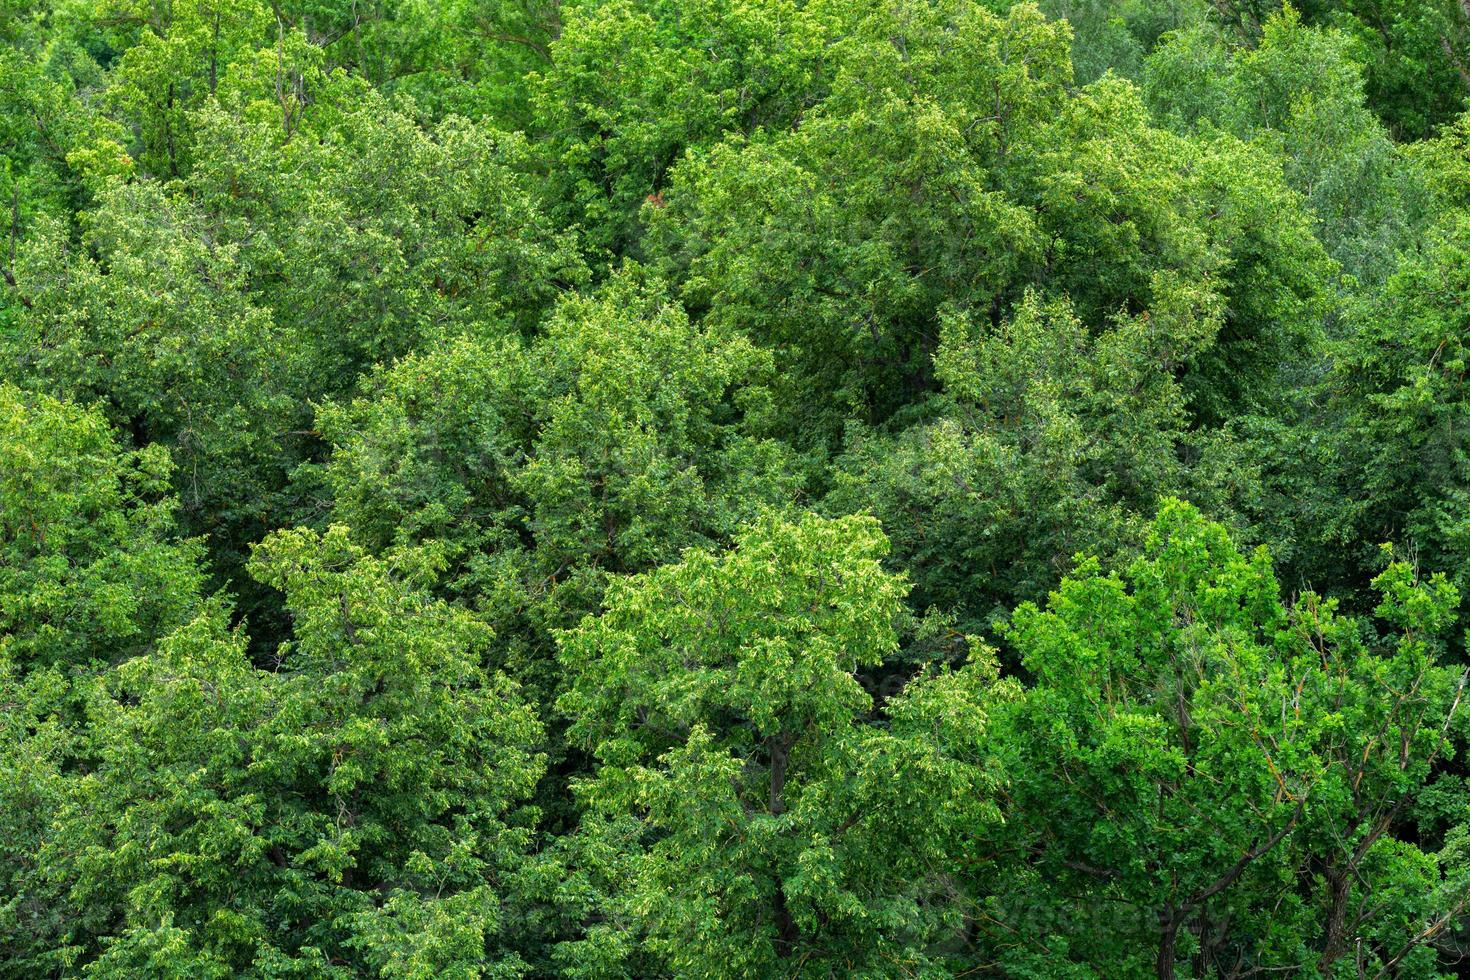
x,y
734,488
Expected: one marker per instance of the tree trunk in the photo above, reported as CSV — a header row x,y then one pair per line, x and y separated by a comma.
x,y
779,747
1169,926
1339,883
787,935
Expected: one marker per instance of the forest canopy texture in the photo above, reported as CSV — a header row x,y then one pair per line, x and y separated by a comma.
x,y
734,489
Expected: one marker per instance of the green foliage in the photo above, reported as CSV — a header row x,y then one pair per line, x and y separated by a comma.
x,y
1116,35
174,66
630,88
155,320
835,242
92,572
720,697
342,814
1398,383
1235,768
960,177
36,742
208,316
55,143
1412,53
91,569
369,236
1302,91
621,435
519,488
1046,442
1416,53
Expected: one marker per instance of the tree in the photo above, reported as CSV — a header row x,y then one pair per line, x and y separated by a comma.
x,y
834,243
346,813
1222,775
1397,384
57,145
403,764
92,570
39,738
719,697
1116,35
369,235
630,88
208,315
517,488
1046,441
92,573
950,169
1417,57
154,320
1301,90
174,66
621,435
1412,52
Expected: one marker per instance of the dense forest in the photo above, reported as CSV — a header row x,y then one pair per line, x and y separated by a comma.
x,y
734,488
